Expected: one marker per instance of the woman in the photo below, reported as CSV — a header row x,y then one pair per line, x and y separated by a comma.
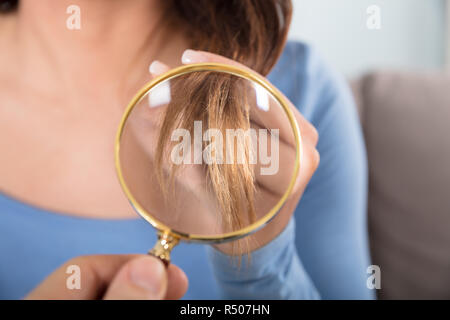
x,y
63,93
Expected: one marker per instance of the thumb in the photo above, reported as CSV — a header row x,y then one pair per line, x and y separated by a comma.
x,y
143,278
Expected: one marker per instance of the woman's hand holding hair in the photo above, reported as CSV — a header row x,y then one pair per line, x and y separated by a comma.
x,y
309,161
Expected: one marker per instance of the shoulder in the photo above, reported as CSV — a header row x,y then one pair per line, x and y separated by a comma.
x,y
311,84
300,55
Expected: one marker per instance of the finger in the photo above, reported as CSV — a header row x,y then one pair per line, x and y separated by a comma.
x,y
196,56
157,67
309,133
178,283
265,200
143,278
271,230
95,272
277,184
277,171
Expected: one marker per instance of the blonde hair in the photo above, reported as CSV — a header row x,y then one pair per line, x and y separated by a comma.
x,y
252,32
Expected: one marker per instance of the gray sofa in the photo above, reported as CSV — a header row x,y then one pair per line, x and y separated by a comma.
x,y
406,122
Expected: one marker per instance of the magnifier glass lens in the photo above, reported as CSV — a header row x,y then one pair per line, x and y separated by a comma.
x,y
207,153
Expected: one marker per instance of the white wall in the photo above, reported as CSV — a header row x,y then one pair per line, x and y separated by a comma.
x,y
412,33
448,34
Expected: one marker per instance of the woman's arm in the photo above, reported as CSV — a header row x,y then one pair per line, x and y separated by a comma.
x,y
274,272
331,230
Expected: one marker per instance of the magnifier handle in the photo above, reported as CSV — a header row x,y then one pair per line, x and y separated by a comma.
x,y
163,247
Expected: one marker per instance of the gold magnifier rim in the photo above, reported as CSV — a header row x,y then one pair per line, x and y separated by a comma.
x,y
224,68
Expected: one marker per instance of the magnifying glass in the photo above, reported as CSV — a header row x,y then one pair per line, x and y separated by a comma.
x,y
207,153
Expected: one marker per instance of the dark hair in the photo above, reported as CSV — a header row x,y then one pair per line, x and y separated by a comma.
x,y
252,32
8,5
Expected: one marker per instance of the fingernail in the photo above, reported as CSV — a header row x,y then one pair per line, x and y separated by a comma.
x,y
191,56
148,274
156,67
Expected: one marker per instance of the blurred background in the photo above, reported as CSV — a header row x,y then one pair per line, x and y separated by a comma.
x,y
413,33
400,78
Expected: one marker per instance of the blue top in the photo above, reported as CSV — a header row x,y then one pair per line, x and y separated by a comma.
x,y
323,253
